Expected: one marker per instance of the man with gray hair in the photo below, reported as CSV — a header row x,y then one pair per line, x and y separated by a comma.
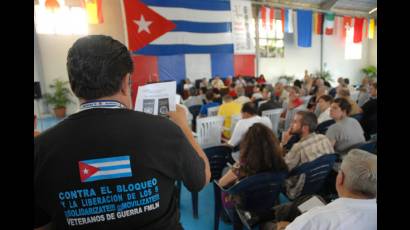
x,y
356,207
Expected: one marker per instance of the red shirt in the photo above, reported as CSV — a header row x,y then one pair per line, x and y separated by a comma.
x,y
297,102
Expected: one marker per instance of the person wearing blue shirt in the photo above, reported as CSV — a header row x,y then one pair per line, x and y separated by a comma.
x,y
209,104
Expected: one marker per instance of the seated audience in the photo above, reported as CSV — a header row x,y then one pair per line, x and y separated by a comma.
x,y
249,117
346,132
240,81
242,99
217,95
350,87
324,107
321,90
294,99
256,93
259,152
228,81
261,79
232,91
333,92
192,99
271,102
188,84
308,148
202,92
345,93
227,110
209,104
356,207
369,119
205,83
280,93
217,83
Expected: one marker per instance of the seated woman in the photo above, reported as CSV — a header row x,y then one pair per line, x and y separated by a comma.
x,y
260,151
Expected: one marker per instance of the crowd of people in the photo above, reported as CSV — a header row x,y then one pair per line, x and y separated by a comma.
x,y
107,135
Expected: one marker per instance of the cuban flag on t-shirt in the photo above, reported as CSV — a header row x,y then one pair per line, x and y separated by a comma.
x,y
179,39
105,168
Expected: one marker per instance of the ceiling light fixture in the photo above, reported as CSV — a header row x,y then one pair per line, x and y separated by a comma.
x,y
370,12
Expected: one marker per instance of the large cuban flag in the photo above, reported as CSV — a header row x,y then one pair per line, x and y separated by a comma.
x,y
181,39
104,168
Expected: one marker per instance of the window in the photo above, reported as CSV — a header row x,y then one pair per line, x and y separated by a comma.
x,y
63,21
353,51
271,40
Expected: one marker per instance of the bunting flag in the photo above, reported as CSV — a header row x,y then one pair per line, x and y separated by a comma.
x,y
288,21
347,23
282,16
94,11
304,28
318,23
267,15
365,28
329,23
358,30
52,4
371,29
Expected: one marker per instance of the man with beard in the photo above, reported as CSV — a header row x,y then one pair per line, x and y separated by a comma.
x,y
308,148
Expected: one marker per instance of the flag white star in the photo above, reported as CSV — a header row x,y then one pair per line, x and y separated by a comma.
x,y
85,171
143,25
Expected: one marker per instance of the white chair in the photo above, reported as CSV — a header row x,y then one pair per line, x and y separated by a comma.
x,y
274,116
355,96
261,102
213,111
234,120
208,131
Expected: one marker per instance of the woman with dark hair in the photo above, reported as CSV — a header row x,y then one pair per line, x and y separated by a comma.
x,y
260,151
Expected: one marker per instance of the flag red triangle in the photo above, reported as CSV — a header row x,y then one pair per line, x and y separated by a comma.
x,y
143,24
86,170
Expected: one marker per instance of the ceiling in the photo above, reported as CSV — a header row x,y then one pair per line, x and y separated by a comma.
x,y
343,7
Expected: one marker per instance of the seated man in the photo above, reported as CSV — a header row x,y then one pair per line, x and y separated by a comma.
x,y
356,207
193,98
209,104
346,132
217,83
240,92
249,117
309,147
345,93
227,110
369,120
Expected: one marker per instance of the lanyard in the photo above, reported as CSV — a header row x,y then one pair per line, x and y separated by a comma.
x,y
101,104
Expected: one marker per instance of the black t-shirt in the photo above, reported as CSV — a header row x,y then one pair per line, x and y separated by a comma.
x,y
369,119
112,169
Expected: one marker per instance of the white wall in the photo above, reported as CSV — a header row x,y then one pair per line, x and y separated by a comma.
x,y
54,48
298,59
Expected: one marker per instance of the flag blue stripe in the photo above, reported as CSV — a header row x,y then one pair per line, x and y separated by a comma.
x,y
172,68
105,160
222,64
106,168
286,21
202,27
104,177
304,19
191,4
182,49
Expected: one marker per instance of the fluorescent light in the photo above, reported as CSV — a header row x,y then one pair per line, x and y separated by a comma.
x,y
373,10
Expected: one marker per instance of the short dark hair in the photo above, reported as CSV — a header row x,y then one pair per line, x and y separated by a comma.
x,y
209,95
326,98
249,107
343,104
96,65
297,83
309,119
192,91
347,81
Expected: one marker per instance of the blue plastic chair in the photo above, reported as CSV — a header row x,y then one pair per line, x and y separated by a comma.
x,y
218,157
369,146
322,127
316,172
258,194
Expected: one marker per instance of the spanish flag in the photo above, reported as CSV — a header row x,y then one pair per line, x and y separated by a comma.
x,y
94,11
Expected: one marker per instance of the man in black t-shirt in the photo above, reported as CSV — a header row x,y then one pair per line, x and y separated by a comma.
x,y
107,166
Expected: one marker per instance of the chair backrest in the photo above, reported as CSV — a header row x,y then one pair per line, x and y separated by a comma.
x,y
290,113
274,116
358,116
234,120
194,110
306,99
322,127
213,111
209,131
355,96
259,192
218,156
261,102
316,172
369,146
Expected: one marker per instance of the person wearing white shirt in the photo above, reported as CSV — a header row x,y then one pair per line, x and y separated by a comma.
x,y
249,117
324,103
356,207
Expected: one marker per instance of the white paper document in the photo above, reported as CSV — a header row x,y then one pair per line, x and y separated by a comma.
x,y
309,204
156,98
